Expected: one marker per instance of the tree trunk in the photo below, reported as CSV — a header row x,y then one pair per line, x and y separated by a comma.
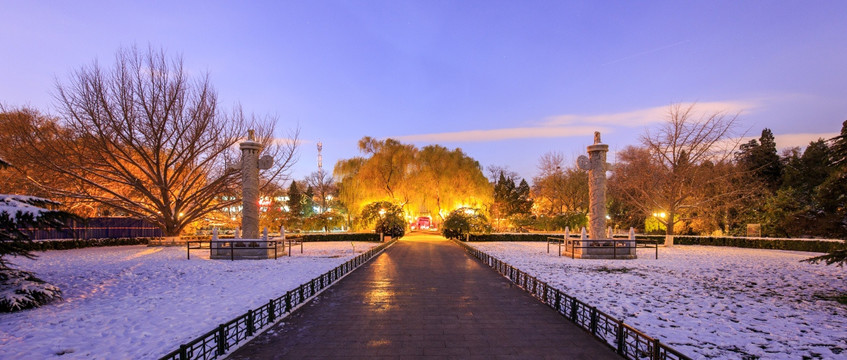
x,y
669,229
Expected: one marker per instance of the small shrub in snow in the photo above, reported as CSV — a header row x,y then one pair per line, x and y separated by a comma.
x,y
21,290
463,221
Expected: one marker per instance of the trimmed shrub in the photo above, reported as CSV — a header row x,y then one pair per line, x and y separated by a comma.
x,y
750,243
775,244
459,223
391,225
511,237
341,237
45,245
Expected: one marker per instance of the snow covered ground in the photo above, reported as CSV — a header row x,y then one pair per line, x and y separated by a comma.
x,y
708,302
138,302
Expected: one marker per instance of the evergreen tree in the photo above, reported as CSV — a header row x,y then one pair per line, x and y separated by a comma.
x,y
806,172
295,200
308,202
19,289
523,203
831,195
503,193
511,200
762,160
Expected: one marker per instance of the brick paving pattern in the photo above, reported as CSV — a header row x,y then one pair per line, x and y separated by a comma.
x,y
424,298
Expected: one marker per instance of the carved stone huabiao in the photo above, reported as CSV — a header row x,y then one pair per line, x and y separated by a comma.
x,y
596,165
250,165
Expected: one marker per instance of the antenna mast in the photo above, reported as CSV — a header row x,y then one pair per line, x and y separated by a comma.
x,y
320,157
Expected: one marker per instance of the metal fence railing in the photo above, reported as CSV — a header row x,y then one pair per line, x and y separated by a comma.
x,y
218,341
624,339
97,228
570,245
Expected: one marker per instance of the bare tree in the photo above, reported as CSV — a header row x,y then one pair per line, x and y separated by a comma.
x,y
147,139
323,185
668,175
494,172
558,188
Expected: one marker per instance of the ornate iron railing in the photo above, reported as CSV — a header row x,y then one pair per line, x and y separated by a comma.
x,y
624,339
217,342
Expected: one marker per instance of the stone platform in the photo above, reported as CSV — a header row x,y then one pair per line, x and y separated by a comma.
x,y
600,249
246,249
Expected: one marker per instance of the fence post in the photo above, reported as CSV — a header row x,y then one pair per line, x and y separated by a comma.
x,y
573,310
593,324
558,300
250,322
288,301
221,339
271,313
656,352
183,352
619,340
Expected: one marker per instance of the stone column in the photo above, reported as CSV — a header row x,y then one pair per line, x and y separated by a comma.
x,y
597,166
250,187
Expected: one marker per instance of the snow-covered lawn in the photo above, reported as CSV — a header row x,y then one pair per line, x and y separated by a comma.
x,y
708,302
138,302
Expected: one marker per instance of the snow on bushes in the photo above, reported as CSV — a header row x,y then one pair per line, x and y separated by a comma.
x,y
21,290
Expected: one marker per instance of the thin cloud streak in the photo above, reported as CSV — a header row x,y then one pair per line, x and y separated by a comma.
x,y
502,134
647,116
575,125
784,141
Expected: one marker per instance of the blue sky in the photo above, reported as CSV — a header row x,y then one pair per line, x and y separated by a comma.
x,y
506,81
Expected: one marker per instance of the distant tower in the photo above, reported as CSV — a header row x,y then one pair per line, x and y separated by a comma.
x,y
320,157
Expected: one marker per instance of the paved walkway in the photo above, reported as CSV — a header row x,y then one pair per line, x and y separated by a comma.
x,y
424,298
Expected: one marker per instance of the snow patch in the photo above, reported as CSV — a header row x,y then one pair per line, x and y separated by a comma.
x,y
706,301
135,302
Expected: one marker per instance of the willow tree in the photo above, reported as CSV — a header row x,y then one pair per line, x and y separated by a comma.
x,y
669,173
446,179
147,139
433,179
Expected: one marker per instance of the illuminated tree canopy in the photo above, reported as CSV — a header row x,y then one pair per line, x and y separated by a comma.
x,y
146,138
430,181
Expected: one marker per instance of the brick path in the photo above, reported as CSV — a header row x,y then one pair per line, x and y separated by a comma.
x,y
424,298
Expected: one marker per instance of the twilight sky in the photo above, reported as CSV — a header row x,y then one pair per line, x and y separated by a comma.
x,y
506,81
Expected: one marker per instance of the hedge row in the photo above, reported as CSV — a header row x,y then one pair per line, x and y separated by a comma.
x,y
758,243
44,245
511,237
341,237
775,244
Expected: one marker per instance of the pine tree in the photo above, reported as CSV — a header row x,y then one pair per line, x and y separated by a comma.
x,y
761,159
295,200
523,204
19,289
831,195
